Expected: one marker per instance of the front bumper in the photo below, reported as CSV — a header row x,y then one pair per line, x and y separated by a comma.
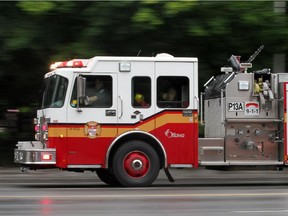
x,y
33,153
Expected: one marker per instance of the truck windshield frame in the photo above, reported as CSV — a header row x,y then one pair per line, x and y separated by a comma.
x,y
54,91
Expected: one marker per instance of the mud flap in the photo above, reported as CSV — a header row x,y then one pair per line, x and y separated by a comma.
x,y
168,174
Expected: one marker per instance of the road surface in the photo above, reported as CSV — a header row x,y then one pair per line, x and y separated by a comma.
x,y
195,192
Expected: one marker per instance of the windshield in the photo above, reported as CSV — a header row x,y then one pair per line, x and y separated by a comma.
x,y
54,91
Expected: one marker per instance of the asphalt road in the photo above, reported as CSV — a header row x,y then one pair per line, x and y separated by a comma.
x,y
195,192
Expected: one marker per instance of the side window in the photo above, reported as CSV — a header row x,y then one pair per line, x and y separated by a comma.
x,y
98,92
172,92
141,92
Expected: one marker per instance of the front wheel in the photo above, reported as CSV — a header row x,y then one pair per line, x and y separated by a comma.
x,y
136,164
107,177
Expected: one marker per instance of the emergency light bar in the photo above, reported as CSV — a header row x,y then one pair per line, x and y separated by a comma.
x,y
75,63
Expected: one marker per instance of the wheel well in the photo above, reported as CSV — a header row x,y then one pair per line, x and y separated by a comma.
x,y
138,136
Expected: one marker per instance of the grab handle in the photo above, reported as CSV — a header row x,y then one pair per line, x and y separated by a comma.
x,y
121,107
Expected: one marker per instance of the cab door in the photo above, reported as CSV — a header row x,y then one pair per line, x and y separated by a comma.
x,y
92,124
136,99
177,127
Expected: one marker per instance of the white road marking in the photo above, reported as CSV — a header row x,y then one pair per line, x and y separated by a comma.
x,y
127,196
261,211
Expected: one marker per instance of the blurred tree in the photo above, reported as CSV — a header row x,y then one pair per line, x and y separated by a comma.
x,y
34,34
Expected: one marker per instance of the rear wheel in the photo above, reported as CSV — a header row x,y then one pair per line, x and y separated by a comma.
x,y
107,177
136,164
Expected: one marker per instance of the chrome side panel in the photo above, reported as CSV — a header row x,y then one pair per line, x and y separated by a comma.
x,y
251,130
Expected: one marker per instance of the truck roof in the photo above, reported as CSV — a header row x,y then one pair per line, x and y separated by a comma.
x,y
88,65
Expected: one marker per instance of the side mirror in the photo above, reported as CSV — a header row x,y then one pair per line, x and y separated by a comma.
x,y
81,87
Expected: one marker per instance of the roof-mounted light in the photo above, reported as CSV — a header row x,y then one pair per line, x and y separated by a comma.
x,y
226,69
55,65
245,66
76,63
124,66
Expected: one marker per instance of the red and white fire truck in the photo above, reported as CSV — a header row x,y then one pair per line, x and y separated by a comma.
x,y
126,118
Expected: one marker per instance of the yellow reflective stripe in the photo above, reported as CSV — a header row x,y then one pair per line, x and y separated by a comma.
x,y
111,131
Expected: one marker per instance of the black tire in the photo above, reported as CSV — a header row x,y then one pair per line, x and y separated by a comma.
x,y
107,177
136,164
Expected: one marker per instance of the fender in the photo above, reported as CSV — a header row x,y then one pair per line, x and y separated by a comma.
x,y
134,132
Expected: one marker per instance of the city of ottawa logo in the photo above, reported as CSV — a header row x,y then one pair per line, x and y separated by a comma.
x,y
92,129
171,134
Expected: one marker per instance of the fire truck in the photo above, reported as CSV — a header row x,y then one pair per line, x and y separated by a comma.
x,y
126,118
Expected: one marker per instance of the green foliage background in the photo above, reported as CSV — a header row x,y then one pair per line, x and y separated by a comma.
x,y
35,34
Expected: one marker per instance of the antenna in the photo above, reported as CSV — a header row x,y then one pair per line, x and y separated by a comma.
x,y
139,52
